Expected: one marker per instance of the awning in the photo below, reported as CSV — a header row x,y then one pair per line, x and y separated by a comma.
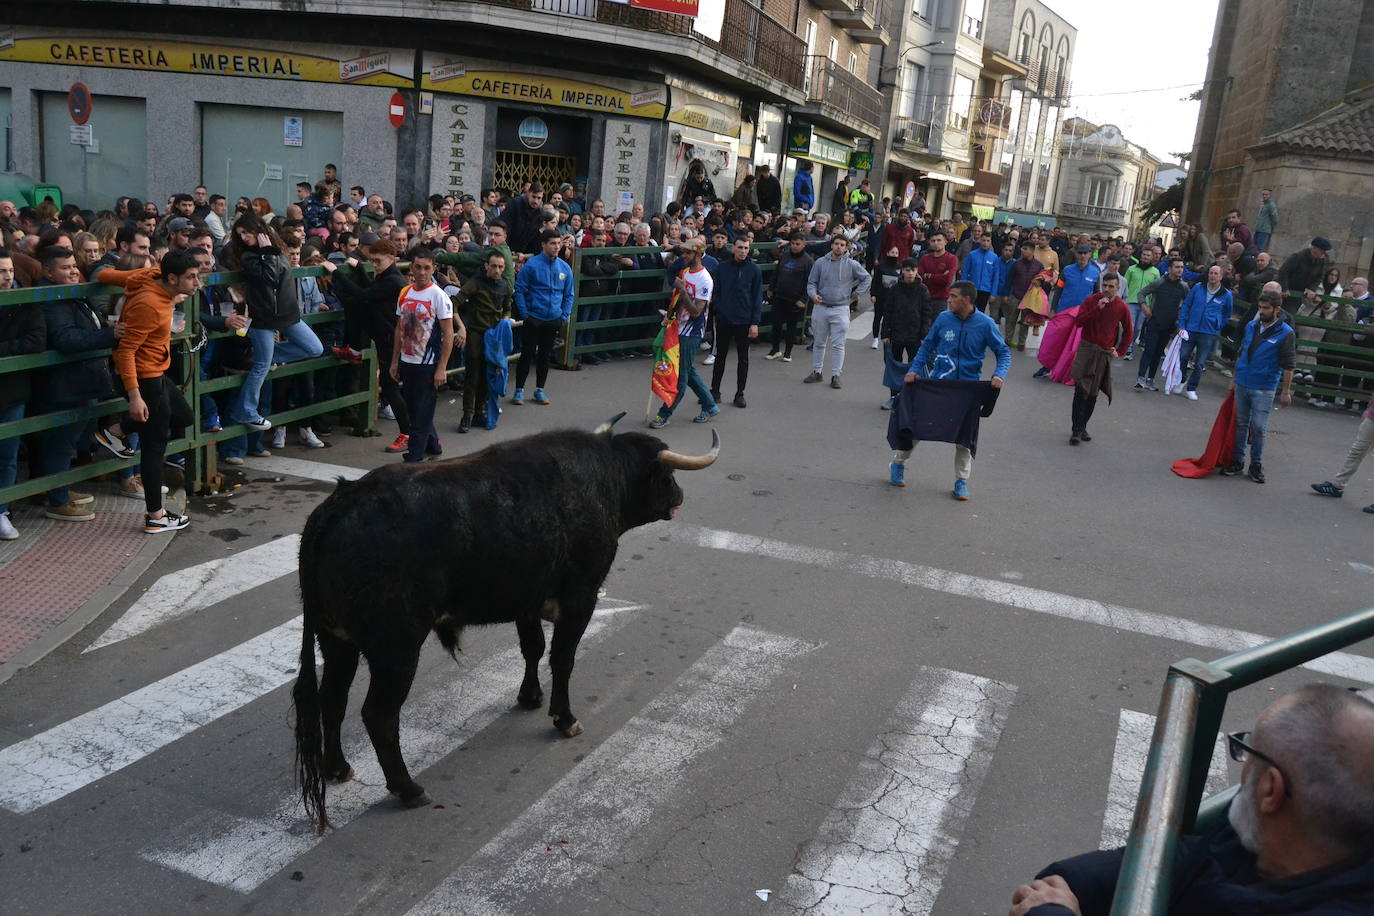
x,y
946,176
688,140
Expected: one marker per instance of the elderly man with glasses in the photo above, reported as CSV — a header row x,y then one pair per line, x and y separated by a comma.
x,y
1299,836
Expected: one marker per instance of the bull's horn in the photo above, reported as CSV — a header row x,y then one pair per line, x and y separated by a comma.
x,y
606,427
692,462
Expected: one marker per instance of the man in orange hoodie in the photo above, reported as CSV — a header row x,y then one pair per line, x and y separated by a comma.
x,y
157,409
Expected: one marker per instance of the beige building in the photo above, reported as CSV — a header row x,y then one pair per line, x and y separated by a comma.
x,y
1104,179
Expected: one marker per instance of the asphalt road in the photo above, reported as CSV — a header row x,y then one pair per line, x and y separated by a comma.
x,y
810,683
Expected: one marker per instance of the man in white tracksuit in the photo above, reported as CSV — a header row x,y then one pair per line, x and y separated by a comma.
x,y
834,282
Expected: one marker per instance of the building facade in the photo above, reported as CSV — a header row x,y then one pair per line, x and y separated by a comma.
x,y
1104,180
1285,107
620,99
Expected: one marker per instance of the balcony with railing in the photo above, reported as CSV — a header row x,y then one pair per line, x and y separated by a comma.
x,y
1113,216
862,20
911,134
841,98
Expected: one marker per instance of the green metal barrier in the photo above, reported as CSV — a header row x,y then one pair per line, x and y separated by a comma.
x,y
197,445
645,323
1194,698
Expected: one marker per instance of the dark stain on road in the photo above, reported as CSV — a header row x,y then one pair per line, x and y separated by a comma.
x,y
228,535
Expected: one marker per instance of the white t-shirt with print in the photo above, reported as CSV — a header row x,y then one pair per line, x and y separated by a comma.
x,y
700,285
417,310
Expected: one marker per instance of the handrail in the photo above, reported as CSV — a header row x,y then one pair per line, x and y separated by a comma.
x,y
1170,801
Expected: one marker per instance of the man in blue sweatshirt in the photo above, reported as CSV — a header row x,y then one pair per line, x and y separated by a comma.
x,y
1267,355
983,268
1205,312
544,300
954,349
738,306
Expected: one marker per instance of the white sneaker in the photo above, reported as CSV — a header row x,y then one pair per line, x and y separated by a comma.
x,y
309,439
874,345
385,413
7,530
1190,395
710,360
279,437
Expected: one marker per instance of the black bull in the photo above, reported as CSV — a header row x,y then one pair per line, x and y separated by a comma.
x,y
521,529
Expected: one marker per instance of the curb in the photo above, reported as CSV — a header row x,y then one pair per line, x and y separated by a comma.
x,y
96,605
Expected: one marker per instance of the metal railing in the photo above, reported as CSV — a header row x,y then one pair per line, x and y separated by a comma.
x,y
1088,211
910,132
1190,712
832,85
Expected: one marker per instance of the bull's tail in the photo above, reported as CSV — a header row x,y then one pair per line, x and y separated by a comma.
x,y
306,693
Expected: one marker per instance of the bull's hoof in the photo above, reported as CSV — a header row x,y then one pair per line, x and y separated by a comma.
x,y
531,701
569,731
341,774
418,800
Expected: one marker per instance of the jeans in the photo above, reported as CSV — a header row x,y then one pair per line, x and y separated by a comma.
x,y
298,342
57,447
1155,342
1261,240
687,377
1201,347
1137,325
417,386
1252,418
738,336
1364,441
829,324
9,451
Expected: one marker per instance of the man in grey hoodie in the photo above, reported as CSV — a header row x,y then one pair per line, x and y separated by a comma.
x,y
834,282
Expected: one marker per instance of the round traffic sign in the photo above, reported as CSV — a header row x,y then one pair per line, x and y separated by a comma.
x,y
398,110
79,103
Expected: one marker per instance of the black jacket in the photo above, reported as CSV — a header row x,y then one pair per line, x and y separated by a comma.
x,y
21,332
770,194
908,313
270,290
1167,299
790,276
74,327
375,298
522,225
1300,271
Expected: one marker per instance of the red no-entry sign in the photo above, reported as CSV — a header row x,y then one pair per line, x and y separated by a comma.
x,y
79,103
398,110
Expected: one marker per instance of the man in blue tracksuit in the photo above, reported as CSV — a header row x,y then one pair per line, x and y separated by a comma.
x,y
1268,352
1079,280
954,349
543,300
1205,311
983,268
803,188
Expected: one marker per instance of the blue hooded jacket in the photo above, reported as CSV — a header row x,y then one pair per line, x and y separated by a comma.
x,y
954,348
1203,312
803,190
983,269
544,289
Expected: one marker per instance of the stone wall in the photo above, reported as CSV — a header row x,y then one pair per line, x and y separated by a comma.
x,y
1319,195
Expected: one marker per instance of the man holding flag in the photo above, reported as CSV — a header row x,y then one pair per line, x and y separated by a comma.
x,y
685,325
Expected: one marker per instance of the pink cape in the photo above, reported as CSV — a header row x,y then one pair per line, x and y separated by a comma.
x,y
1059,346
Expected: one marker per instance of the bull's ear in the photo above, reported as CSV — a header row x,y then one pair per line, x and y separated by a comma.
x,y
606,427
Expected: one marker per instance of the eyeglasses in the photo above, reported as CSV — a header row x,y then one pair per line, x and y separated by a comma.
x,y
1238,746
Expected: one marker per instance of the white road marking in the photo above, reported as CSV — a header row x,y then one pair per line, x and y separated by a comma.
x,y
1133,735
195,588
48,766
895,828
1087,610
860,326
241,853
300,467
603,803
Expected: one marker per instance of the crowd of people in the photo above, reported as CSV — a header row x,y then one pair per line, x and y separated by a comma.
x,y
477,264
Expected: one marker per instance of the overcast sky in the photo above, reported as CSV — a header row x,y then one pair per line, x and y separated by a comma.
x,y
1122,50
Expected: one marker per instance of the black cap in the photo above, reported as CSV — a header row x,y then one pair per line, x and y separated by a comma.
x,y
467,199
181,224
1322,243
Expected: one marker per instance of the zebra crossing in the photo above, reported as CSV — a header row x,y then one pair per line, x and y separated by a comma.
x,y
891,835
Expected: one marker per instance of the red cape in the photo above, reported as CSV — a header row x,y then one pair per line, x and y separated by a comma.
x,y
1221,445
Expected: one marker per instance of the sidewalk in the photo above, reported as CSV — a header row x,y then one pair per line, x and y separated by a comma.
x,y
61,575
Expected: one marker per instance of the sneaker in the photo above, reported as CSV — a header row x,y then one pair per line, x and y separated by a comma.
x,y
279,437
1256,472
386,413
435,448
518,398
710,360
1232,469
811,346
890,403
1075,437
70,512
961,490
131,487
1128,357
175,461
875,345
706,416
1139,385
540,397
1150,385
1041,372
1225,373
835,382
260,425
739,400
896,473
787,357
308,438
813,377
659,422
259,453
1190,395
465,424
1369,509
170,521
347,354
774,355
1083,434
212,425
233,460
1319,402
7,530
399,444
79,499
1327,488
114,443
